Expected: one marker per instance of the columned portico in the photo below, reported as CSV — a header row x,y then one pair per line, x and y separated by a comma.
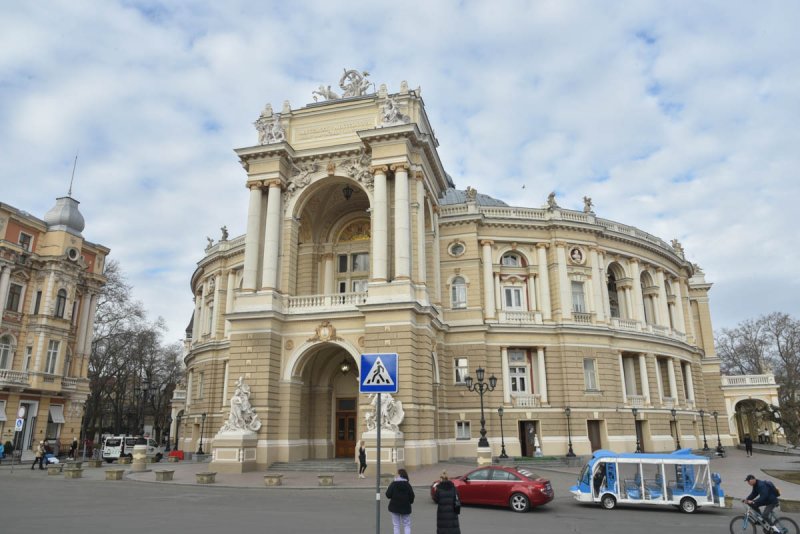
x,y
402,224
380,234
272,233
252,238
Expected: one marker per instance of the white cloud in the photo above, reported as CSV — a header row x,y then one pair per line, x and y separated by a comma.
x,y
679,119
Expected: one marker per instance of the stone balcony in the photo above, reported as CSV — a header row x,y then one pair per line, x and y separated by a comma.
x,y
325,303
527,401
748,380
519,317
636,401
14,379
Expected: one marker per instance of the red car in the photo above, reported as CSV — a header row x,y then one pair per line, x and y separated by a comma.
x,y
498,485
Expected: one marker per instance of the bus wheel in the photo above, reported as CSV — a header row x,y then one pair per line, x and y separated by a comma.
x,y
608,502
688,505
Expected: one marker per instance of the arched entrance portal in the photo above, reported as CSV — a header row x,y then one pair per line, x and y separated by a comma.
x,y
751,418
325,383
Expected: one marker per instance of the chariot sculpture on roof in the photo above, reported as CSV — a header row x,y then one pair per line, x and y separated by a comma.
x,y
353,83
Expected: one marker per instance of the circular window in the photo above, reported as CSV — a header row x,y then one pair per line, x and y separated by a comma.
x,y
457,248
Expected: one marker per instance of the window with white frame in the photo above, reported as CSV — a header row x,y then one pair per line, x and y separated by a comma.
x,y
6,352
52,357
578,300
25,241
352,272
590,374
518,371
461,366
61,302
14,299
510,260
462,430
458,295
512,298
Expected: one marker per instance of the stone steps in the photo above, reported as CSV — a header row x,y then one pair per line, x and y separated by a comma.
x,y
317,466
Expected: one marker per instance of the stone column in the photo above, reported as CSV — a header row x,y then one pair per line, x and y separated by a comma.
x,y
437,267
328,275
422,275
272,237
506,377
253,238
202,310
689,382
531,284
680,321
84,317
604,284
638,300
196,319
489,307
542,375
643,378
629,306
229,292
659,383
380,232
217,306
87,348
564,287
597,286
402,225
544,281
5,283
622,379
673,385
662,297
498,297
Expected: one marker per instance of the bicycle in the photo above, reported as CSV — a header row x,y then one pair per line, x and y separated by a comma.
x,y
751,518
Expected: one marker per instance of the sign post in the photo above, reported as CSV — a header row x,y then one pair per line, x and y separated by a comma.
x,y
378,375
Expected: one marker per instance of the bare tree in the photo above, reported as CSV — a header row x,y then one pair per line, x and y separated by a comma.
x,y
770,343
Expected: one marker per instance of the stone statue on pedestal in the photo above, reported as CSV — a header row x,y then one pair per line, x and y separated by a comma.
x,y
242,416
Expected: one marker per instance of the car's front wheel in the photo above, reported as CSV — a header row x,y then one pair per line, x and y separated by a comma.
x,y
519,503
608,502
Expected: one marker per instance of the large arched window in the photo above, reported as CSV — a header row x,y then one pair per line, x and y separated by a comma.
x,y
458,292
511,259
6,352
61,303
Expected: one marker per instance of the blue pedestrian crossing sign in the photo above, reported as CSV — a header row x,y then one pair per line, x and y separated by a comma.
x,y
18,424
378,373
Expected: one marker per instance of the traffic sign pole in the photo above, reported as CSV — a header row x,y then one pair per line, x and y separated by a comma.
x,y
378,470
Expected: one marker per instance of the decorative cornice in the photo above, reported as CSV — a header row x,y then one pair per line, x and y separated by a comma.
x,y
399,167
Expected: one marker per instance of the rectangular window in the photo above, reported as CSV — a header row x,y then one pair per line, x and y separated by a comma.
x,y
462,430
28,355
360,286
519,379
513,298
360,262
590,374
14,297
38,302
343,286
462,369
342,263
578,302
52,356
459,296
25,241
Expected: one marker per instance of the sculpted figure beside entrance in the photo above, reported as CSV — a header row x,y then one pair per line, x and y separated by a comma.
x,y
392,413
242,416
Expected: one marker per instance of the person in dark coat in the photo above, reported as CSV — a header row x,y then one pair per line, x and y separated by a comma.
x,y
748,445
362,459
401,497
446,515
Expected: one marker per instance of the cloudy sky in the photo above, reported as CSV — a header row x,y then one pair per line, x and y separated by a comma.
x,y
680,118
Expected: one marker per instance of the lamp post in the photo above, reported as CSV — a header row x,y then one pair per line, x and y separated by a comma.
x,y
703,424
168,436
481,387
570,452
674,412
720,449
502,438
202,429
635,412
177,430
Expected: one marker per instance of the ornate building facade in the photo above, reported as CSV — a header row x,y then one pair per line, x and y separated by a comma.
x,y
50,278
359,242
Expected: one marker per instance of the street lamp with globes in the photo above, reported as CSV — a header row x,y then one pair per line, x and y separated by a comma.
x,y
481,387
502,439
703,424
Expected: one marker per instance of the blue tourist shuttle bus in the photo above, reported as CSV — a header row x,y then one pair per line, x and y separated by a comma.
x,y
679,479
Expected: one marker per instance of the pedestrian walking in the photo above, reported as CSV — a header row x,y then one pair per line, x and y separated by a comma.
x,y
401,497
73,449
748,445
40,452
362,459
448,506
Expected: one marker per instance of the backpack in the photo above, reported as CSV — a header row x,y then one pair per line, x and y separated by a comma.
x,y
773,488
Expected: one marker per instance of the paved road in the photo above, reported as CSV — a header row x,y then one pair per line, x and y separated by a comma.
x,y
34,502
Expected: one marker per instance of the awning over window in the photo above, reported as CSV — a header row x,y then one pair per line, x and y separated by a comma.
x,y
57,413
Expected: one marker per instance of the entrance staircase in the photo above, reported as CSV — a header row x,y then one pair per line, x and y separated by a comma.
x,y
331,465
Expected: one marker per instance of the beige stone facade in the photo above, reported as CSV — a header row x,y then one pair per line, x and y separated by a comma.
x,y
50,278
358,242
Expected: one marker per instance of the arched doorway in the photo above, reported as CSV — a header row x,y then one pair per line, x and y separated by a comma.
x,y
324,380
751,418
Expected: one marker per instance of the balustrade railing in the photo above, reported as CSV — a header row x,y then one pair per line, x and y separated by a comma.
x,y
520,317
528,401
636,401
70,382
309,303
582,317
749,380
7,376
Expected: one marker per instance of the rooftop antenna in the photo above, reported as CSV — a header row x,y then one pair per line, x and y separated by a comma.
x,y
74,165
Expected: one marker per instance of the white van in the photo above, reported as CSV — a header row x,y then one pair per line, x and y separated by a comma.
x,y
115,447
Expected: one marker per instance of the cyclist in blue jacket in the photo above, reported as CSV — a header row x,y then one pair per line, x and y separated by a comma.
x,y
767,496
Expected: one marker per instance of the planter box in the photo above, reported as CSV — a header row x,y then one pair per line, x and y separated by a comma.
x,y
54,469
164,475
114,474
95,463
206,478
325,480
273,480
125,460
